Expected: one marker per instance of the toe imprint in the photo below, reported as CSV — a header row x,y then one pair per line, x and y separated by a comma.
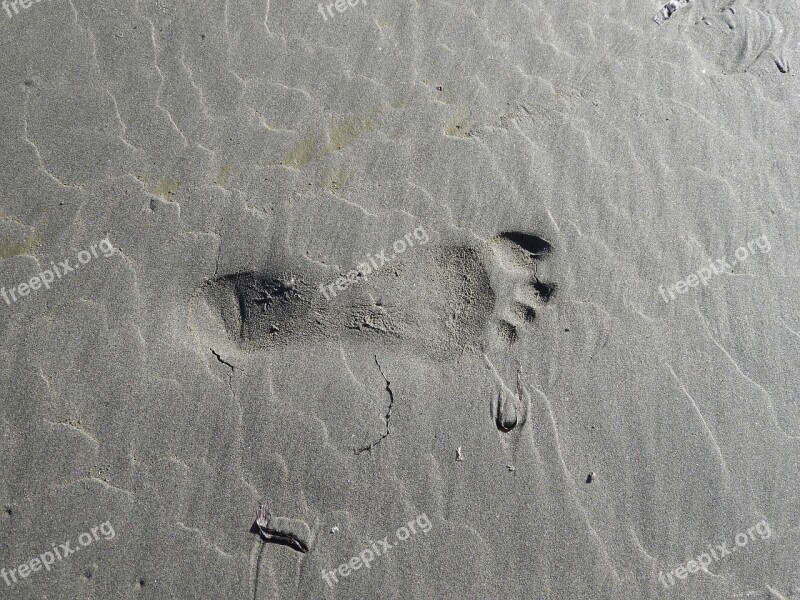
x,y
518,290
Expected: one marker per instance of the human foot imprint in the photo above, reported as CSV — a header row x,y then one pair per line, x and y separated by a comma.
x,y
444,300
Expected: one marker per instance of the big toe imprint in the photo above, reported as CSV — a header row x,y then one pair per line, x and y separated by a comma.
x,y
439,300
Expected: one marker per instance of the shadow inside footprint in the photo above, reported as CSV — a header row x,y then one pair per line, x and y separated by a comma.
x,y
259,307
545,290
532,244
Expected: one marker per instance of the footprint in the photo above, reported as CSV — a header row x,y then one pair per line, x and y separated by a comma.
x,y
442,300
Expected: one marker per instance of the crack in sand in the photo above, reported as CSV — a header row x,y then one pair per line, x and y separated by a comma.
x,y
230,375
388,416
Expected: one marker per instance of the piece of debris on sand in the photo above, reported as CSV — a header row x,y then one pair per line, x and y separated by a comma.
x,y
293,533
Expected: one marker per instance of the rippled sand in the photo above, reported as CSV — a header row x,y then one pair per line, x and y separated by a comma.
x,y
273,375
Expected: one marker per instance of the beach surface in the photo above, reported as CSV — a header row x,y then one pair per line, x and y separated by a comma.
x,y
400,299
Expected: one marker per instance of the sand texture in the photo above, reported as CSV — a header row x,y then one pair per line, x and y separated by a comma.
x,y
400,299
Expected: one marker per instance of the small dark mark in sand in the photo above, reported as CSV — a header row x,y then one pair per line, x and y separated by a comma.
x,y
276,534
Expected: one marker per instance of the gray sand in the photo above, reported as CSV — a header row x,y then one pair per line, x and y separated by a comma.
x,y
505,290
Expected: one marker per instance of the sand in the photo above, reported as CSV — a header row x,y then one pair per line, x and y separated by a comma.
x,y
401,299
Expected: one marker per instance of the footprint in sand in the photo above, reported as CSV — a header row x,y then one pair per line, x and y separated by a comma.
x,y
442,299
